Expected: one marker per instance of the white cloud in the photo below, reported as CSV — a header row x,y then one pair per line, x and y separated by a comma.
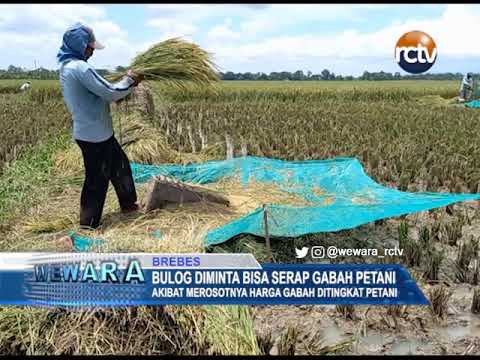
x,y
255,19
240,36
34,32
170,27
223,32
118,49
280,16
449,32
32,17
199,12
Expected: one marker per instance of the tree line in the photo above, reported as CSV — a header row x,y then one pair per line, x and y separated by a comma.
x,y
14,72
328,75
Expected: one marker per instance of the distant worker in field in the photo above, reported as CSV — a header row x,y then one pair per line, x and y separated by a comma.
x,y
25,86
466,88
88,97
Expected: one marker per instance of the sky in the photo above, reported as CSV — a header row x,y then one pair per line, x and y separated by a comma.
x,y
347,39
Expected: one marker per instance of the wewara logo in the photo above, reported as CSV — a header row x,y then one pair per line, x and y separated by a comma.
x,y
415,52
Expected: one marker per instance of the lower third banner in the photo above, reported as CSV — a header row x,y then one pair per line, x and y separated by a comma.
x,y
102,279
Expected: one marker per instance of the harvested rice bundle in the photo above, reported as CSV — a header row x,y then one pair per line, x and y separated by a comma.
x,y
437,100
249,197
145,144
182,228
176,61
175,228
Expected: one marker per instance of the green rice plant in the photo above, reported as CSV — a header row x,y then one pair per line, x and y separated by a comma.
x,y
467,252
246,244
402,231
424,237
453,230
41,95
265,343
25,182
433,262
288,342
229,330
413,249
439,297
94,331
26,123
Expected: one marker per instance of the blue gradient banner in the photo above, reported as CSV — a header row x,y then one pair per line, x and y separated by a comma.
x,y
92,279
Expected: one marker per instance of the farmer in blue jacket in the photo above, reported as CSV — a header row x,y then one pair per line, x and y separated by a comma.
x,y
88,96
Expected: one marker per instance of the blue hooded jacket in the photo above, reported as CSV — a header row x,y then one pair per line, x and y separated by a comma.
x,y
75,41
87,95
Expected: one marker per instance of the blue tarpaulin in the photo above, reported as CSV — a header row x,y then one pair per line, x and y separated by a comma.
x,y
341,195
473,104
84,243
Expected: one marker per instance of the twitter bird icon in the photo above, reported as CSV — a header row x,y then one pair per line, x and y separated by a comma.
x,y
301,253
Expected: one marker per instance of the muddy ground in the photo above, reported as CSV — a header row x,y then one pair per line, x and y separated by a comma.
x,y
372,329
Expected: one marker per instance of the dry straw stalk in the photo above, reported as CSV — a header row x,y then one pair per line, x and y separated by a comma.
x,y
176,61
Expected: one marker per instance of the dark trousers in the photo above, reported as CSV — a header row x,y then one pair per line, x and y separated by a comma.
x,y
104,162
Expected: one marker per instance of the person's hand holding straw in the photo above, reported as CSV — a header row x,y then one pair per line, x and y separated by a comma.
x,y
137,78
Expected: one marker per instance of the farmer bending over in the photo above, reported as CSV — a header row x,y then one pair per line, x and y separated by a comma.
x,y
25,86
88,97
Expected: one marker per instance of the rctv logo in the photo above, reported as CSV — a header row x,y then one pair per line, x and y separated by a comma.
x,y
415,52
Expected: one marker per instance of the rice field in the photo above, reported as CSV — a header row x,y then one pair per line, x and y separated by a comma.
x,y
407,135
381,125
27,119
